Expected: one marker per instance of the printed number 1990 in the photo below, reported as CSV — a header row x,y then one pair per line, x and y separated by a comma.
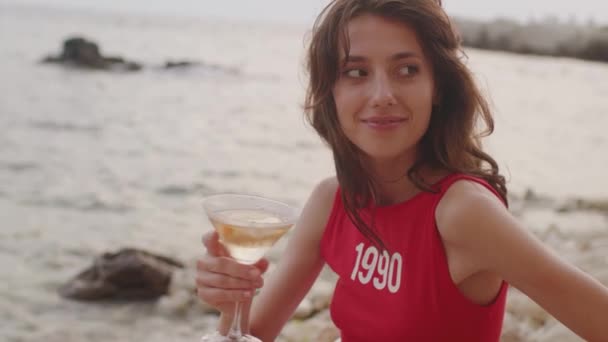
x,y
388,267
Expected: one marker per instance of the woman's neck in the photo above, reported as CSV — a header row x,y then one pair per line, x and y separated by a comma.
x,y
393,184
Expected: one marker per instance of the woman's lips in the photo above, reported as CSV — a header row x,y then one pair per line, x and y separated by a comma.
x,y
384,123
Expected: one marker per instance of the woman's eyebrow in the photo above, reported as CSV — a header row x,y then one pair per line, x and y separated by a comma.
x,y
404,55
395,57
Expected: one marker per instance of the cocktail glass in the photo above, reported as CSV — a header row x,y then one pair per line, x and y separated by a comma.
x,y
248,226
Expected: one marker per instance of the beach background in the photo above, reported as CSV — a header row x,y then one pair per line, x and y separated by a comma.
x,y
94,161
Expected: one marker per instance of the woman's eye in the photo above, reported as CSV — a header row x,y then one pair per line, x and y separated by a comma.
x,y
355,73
408,70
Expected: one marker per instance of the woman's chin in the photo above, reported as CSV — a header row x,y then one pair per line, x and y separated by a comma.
x,y
383,154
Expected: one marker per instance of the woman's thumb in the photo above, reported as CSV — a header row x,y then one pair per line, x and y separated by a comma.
x,y
262,265
214,247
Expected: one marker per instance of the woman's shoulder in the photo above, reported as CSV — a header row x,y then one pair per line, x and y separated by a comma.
x,y
466,193
464,202
317,210
325,190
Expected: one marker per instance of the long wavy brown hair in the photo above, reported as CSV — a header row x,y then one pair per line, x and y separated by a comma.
x,y
452,141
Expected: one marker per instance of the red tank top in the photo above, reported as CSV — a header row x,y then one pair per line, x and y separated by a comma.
x,y
406,294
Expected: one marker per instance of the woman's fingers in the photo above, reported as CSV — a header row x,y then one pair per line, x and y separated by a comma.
x,y
216,297
229,267
221,281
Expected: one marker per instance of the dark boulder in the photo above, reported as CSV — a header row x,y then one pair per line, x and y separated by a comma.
x,y
78,51
129,274
199,66
180,64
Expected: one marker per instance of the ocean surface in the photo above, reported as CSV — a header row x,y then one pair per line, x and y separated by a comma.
x,y
93,161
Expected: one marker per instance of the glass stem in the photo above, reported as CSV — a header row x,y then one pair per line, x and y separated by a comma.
x,y
235,328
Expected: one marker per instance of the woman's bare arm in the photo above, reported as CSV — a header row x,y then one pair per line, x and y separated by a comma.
x,y
297,269
473,219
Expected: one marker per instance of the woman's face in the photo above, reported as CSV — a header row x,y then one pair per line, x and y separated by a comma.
x,y
384,94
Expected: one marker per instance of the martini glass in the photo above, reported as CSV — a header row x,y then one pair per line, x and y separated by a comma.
x,y
247,227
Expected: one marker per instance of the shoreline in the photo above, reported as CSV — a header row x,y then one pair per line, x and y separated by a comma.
x,y
577,232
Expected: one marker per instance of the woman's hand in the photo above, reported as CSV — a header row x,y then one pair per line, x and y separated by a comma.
x,y
221,281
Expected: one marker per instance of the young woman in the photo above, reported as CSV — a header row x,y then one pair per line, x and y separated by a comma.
x,y
415,222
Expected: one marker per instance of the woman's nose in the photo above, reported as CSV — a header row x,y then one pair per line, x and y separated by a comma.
x,y
382,93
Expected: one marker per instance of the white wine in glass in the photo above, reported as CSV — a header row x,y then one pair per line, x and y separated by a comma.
x,y
248,226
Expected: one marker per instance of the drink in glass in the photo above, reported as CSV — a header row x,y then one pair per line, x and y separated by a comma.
x,y
248,226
